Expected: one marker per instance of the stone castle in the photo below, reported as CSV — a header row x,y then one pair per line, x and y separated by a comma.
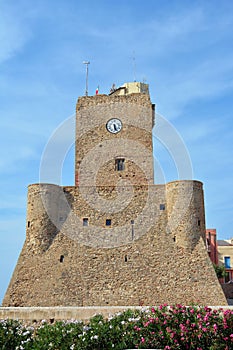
x,y
115,238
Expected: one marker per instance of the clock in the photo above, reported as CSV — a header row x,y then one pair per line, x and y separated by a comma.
x,y
114,125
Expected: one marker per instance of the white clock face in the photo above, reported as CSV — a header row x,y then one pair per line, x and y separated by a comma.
x,y
114,125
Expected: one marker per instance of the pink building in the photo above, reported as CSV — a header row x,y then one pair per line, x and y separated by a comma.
x,y
211,243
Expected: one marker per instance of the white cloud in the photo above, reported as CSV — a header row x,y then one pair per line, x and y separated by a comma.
x,y
205,80
13,32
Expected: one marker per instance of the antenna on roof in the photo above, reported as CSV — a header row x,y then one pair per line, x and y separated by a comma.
x,y
86,63
134,67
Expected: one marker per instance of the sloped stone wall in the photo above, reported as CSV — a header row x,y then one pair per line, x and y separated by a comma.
x,y
99,265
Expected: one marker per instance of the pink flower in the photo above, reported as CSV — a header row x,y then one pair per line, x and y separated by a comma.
x,y
142,340
206,308
183,328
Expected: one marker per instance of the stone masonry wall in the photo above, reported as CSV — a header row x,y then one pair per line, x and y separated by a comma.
x,y
154,260
115,238
96,147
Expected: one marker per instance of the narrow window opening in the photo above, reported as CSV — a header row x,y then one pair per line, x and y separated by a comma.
x,y
85,221
61,258
227,262
162,207
174,238
126,258
119,164
132,229
29,223
199,222
108,222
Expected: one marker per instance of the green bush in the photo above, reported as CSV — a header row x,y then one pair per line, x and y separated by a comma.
x,y
13,335
174,327
220,270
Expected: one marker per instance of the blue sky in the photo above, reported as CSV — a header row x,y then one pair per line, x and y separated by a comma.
x,y
183,49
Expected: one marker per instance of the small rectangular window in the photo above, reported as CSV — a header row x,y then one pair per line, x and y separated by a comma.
x,y
227,262
199,222
61,258
108,222
85,221
119,164
162,207
29,223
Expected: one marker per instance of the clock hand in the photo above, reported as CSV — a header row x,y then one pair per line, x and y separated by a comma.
x,y
115,128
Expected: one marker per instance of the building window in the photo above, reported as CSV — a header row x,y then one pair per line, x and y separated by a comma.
x,y
126,258
174,238
108,222
85,221
162,207
199,222
61,258
119,164
29,223
227,262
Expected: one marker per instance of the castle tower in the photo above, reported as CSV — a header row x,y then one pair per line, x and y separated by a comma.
x,y
115,238
120,123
